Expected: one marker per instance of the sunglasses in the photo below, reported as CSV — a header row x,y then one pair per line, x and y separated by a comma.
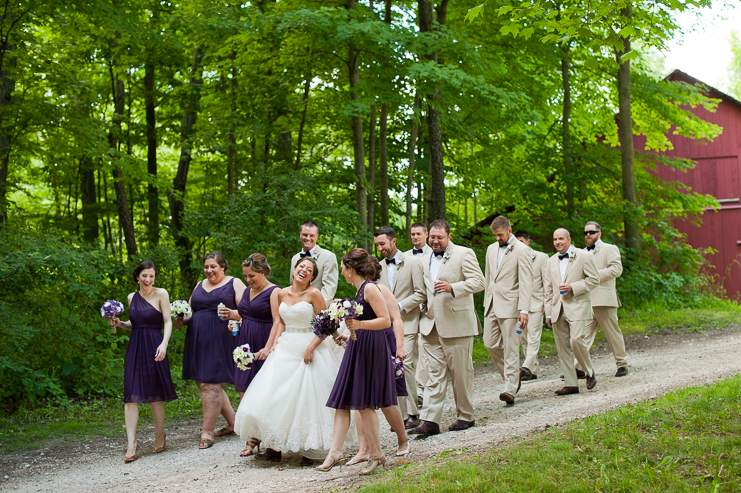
x,y
590,233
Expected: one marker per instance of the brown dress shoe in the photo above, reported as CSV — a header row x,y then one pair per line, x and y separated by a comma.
x,y
591,381
580,375
461,425
412,422
429,428
270,455
508,398
567,391
519,380
621,372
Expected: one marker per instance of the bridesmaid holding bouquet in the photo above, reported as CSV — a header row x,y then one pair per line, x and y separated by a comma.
x,y
146,370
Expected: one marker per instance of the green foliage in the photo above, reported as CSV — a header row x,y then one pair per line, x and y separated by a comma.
x,y
680,442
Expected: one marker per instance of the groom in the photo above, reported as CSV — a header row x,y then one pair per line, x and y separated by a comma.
x,y
326,261
452,276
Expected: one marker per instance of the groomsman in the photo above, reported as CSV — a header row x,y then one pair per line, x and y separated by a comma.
x,y
404,276
326,261
530,337
571,275
605,300
452,276
418,232
509,281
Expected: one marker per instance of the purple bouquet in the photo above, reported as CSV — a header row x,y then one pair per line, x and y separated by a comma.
x,y
398,368
111,308
326,322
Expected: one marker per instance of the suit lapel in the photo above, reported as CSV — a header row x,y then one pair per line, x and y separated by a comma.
x,y
568,265
448,250
426,267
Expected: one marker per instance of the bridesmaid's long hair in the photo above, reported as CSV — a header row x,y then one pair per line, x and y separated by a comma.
x,y
143,265
363,263
259,263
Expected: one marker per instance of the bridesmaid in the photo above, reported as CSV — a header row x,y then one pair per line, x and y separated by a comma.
x,y
207,356
146,370
365,381
259,303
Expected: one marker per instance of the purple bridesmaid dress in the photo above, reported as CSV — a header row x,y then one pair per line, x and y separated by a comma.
x,y
257,321
401,385
366,376
146,380
209,344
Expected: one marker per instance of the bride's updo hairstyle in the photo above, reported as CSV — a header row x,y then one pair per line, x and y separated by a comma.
x,y
315,272
363,263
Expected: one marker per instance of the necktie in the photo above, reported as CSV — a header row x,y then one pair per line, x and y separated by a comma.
x,y
439,254
305,254
565,255
589,249
390,261
416,251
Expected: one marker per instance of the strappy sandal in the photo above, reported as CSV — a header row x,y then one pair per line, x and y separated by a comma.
x,y
157,450
356,460
132,458
205,443
224,432
375,462
252,447
402,453
337,460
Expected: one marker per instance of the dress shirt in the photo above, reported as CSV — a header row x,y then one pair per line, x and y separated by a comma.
x,y
564,262
435,263
422,253
596,244
392,267
310,252
502,250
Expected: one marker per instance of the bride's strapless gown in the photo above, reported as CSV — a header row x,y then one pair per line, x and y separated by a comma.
x,y
285,406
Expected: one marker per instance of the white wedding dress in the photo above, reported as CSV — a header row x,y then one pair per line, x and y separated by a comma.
x,y
285,406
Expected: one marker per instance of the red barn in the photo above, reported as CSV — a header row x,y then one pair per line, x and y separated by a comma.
x,y
717,173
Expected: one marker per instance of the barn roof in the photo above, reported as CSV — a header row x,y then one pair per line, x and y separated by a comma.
x,y
678,75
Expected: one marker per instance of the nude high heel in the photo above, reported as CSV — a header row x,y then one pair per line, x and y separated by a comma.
x,y
132,458
157,450
337,460
379,460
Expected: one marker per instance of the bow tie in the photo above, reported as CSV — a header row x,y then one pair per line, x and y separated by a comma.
x,y
390,261
305,254
565,255
416,251
439,254
589,249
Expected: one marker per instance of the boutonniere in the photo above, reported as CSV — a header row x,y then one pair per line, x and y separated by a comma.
x,y
446,257
315,256
572,256
533,257
401,261
511,247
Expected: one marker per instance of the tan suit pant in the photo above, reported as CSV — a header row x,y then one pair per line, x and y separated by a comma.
x,y
503,344
422,374
530,340
606,317
408,405
571,343
448,358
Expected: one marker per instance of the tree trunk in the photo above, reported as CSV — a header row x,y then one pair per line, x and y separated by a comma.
x,y
7,86
626,142
410,171
125,220
150,104
89,200
384,165
300,140
372,169
566,117
176,196
357,135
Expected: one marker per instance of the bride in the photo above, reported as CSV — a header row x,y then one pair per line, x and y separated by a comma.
x,y
286,404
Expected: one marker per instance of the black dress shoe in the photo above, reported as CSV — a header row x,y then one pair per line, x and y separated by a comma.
x,y
591,381
412,422
622,371
580,375
306,462
567,391
532,376
429,428
270,455
461,425
508,398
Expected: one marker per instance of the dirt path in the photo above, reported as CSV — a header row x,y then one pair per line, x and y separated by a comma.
x,y
658,365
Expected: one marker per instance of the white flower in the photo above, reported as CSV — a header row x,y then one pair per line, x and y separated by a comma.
x,y
347,304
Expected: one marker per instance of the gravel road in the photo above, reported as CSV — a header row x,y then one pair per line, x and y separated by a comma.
x,y
658,364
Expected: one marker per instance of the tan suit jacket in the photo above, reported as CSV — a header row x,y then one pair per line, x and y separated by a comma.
x,y
408,289
508,288
610,266
326,279
540,271
453,315
581,273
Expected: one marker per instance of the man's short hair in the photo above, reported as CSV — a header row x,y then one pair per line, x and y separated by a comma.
x,y
385,230
310,224
521,233
592,223
500,222
419,225
441,223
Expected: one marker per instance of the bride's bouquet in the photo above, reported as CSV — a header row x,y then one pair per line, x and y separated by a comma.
x,y
327,322
243,357
398,368
111,308
180,309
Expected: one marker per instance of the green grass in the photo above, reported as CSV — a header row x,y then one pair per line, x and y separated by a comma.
x,y
687,440
32,428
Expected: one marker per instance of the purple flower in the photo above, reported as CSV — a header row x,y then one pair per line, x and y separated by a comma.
x,y
111,308
398,368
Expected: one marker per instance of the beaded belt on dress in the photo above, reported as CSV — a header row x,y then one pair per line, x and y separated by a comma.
x,y
296,329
